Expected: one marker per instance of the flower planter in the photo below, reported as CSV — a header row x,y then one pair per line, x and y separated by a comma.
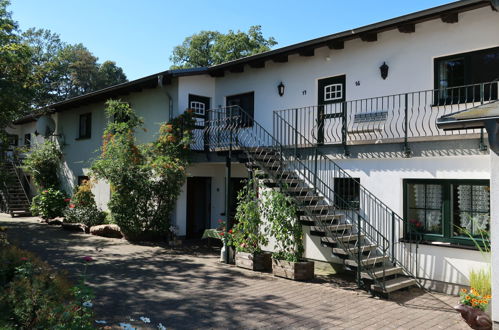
x,y
254,261
474,317
298,271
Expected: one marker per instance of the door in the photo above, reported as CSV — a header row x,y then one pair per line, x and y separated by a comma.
x,y
198,206
200,106
246,102
330,100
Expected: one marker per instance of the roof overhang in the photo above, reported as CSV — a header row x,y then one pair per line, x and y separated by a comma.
x,y
483,116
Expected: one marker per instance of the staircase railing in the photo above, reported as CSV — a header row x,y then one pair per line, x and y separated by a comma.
x,y
402,239
399,118
21,176
233,128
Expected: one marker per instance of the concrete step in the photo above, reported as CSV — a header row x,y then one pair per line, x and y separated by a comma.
x,y
381,272
297,190
322,217
334,241
367,261
363,249
309,198
339,227
394,284
317,208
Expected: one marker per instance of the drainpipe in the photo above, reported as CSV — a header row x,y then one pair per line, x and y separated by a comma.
x,y
170,100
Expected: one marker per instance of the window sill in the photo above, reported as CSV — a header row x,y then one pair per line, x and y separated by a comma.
x,y
83,138
441,244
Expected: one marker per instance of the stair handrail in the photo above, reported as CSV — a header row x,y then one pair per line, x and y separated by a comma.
x,y
394,216
16,164
361,224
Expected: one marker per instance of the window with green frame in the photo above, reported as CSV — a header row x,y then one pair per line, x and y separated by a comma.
x,y
446,210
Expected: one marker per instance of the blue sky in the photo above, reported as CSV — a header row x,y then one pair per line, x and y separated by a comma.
x,y
140,35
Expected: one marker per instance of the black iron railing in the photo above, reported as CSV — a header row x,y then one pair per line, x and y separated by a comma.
x,y
369,219
394,118
390,225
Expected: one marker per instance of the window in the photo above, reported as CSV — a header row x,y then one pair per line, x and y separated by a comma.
x,y
333,92
85,126
13,140
27,140
247,103
467,69
447,210
347,192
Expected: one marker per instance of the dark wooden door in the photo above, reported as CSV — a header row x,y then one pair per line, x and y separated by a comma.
x,y
330,100
198,206
200,105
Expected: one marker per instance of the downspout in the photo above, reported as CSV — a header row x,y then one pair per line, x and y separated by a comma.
x,y
170,99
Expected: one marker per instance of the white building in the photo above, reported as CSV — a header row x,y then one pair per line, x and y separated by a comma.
x,y
366,100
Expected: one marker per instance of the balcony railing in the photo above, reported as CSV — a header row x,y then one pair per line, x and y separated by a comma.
x,y
394,118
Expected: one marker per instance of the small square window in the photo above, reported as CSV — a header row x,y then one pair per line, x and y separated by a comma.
x,y
198,107
333,92
85,130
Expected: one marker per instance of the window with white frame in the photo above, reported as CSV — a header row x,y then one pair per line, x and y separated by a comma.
x,y
198,107
333,92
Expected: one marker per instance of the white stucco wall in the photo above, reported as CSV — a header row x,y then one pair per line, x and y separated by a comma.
x,y
216,171
409,56
202,85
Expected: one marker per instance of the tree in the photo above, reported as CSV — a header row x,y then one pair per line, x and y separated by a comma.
x,y
109,74
45,47
208,48
15,67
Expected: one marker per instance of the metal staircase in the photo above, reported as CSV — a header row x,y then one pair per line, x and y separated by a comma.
x,y
351,229
13,193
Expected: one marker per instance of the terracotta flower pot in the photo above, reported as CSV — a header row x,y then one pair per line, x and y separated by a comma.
x,y
299,271
255,261
474,317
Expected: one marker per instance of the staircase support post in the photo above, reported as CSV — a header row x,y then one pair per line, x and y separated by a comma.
x,y
359,251
393,237
228,165
344,129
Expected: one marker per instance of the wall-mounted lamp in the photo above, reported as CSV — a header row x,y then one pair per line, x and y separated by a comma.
x,y
384,70
280,89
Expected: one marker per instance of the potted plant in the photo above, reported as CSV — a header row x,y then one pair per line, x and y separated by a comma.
x,y
247,236
283,226
472,308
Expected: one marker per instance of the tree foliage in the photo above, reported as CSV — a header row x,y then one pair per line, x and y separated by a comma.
x,y
208,48
37,69
15,68
43,164
145,179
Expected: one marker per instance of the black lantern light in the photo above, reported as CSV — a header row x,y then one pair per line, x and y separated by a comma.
x,y
384,70
280,89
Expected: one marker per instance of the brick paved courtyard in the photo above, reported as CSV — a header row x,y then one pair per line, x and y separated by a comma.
x,y
189,289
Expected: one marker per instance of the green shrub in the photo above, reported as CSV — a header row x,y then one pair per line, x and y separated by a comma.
x,y
32,296
247,235
43,163
145,179
49,204
90,216
282,224
82,207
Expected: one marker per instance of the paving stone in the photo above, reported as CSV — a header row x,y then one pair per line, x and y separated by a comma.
x,y
186,288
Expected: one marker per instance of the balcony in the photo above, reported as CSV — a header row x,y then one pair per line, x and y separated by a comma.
x,y
399,118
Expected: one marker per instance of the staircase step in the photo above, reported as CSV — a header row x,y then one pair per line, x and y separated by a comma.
x,y
334,241
363,248
299,189
366,261
309,198
287,181
340,227
317,208
394,284
378,272
322,217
